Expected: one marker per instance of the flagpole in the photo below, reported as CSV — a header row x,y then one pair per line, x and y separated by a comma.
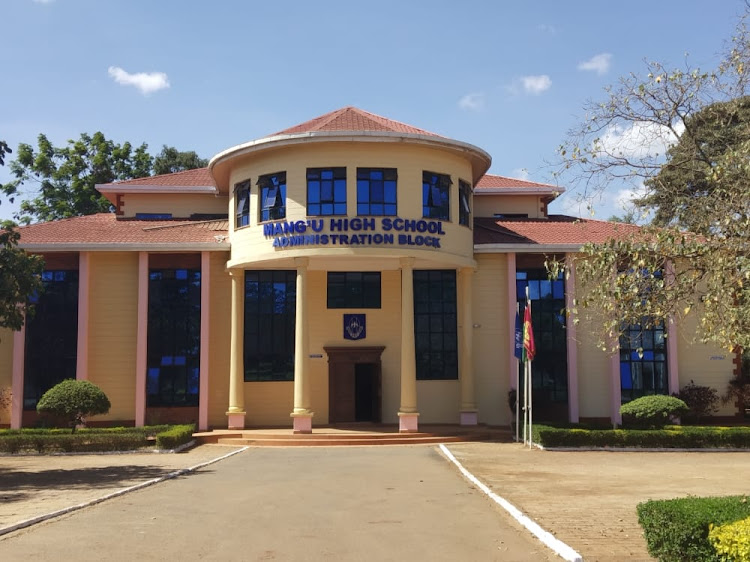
x,y
531,385
518,388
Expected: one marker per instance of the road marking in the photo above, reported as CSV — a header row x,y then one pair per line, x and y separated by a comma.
x,y
559,547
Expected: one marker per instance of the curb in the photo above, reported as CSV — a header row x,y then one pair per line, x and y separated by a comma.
x,y
59,512
549,540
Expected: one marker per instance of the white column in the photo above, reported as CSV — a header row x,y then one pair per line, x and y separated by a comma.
x,y
236,411
408,415
205,335
468,413
302,414
571,340
141,340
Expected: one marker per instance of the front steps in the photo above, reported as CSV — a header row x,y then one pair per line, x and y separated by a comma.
x,y
350,436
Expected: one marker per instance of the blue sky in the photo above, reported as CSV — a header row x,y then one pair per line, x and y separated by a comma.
x,y
508,76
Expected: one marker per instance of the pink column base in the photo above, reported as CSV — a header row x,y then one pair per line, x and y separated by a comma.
x,y
302,423
469,418
408,423
236,420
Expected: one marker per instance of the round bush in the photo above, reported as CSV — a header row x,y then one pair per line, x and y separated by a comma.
x,y
74,400
652,411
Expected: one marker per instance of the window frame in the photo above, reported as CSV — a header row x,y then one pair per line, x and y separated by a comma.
x,y
242,216
316,197
436,186
273,184
464,203
365,181
634,352
436,324
354,290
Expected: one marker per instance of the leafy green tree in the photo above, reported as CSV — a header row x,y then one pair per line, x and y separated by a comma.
x,y
4,149
74,400
66,176
20,277
171,160
684,135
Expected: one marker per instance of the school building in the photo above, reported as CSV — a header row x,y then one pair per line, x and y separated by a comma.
x,y
350,268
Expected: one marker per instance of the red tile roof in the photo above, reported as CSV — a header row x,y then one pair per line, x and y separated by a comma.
x,y
353,119
105,229
557,229
492,181
188,178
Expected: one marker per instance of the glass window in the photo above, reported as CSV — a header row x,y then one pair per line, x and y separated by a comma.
x,y
174,337
272,191
435,324
242,204
376,191
353,289
270,305
643,362
326,191
436,195
549,369
464,203
51,336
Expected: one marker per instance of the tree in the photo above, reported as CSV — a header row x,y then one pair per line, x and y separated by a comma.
x,y
20,277
170,160
74,400
682,137
66,176
4,149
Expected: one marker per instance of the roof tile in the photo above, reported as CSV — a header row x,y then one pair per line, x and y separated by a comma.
x,y
493,181
557,229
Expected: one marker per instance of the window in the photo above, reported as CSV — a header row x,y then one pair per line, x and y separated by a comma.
x,y
326,191
174,337
354,289
643,362
549,370
51,336
464,203
272,188
436,196
153,216
270,305
376,191
242,204
435,324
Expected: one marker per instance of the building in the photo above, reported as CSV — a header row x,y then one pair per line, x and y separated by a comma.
x,y
351,268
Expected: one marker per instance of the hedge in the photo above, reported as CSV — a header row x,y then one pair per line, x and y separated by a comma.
x,y
731,541
681,437
174,437
91,439
677,530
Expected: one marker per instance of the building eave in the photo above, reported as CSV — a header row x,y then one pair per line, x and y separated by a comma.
x,y
127,247
526,248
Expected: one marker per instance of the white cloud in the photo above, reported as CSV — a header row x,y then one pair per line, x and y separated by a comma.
x,y
598,63
536,84
547,28
42,1
146,82
520,174
639,140
472,102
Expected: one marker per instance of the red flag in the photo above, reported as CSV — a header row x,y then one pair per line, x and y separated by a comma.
x,y
529,349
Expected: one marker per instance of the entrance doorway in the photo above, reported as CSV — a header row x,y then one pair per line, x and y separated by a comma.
x,y
354,384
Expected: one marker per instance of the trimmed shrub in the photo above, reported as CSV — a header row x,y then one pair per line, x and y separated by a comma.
x,y
652,411
174,437
74,401
702,401
731,541
677,530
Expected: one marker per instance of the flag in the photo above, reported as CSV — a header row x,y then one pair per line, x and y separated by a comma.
x,y
529,349
518,341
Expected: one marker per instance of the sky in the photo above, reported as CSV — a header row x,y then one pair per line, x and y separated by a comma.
x,y
510,77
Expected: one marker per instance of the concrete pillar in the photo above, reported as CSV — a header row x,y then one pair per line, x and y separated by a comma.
x,y
302,414
673,371
236,411
205,336
468,413
16,385
82,353
408,414
571,341
513,363
141,341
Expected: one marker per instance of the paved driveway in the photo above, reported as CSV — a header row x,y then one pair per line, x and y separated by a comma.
x,y
360,503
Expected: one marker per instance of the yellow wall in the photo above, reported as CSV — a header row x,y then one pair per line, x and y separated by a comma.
x,y
113,327
490,338
6,369
250,246
706,365
219,342
594,378
489,205
180,205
